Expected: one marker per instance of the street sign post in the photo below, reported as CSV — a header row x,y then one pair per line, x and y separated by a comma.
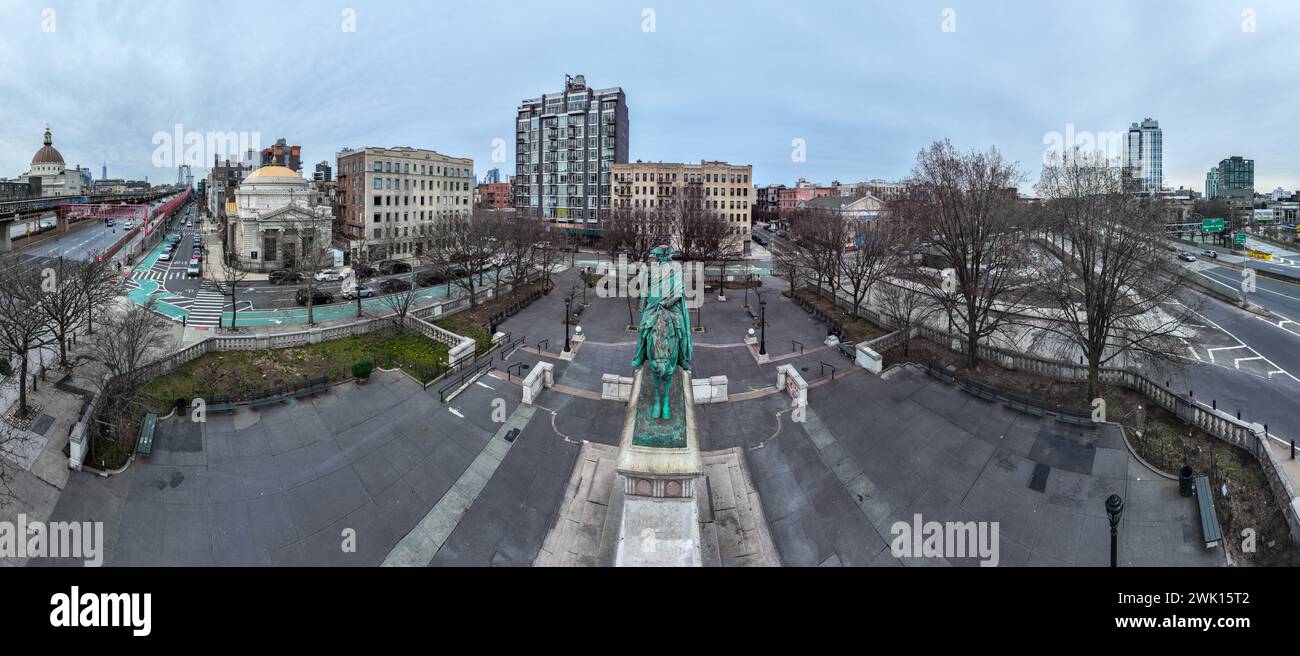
x,y
1239,238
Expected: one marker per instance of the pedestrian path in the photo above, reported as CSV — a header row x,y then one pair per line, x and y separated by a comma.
x,y
207,307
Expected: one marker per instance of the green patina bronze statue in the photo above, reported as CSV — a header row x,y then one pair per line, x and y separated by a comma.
x,y
664,339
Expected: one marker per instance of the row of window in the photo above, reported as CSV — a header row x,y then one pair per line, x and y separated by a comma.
x,y
670,191
712,204
733,178
387,183
388,166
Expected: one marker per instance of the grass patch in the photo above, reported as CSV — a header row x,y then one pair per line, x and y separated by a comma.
x,y
240,373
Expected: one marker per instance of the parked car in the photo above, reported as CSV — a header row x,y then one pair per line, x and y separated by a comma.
x,y
282,276
318,297
361,290
387,267
1214,255
197,254
329,275
429,278
393,285
364,271
1187,257
194,269
166,255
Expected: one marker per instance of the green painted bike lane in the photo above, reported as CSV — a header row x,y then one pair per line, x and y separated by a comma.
x,y
148,289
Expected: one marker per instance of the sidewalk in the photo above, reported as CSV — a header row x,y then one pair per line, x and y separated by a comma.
x,y
214,261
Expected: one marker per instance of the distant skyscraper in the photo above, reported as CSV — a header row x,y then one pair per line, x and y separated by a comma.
x,y
1212,183
493,176
1237,184
1144,155
323,172
565,144
103,172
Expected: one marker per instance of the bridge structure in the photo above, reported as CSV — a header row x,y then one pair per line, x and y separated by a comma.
x,y
35,211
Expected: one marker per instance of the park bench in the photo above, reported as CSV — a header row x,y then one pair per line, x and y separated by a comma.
x,y
311,387
267,397
1035,407
752,314
1075,416
222,403
942,373
847,350
976,388
1210,530
145,445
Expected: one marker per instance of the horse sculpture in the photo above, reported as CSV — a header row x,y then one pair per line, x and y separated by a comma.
x,y
664,347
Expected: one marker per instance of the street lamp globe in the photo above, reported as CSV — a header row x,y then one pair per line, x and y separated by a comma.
x,y
1114,509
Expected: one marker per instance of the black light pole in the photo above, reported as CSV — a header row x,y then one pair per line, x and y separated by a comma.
x,y
762,327
566,324
1114,508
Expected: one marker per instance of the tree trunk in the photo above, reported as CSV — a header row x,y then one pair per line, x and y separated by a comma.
x,y
1094,377
22,389
972,350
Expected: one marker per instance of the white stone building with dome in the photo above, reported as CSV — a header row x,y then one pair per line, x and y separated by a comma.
x,y
279,222
55,178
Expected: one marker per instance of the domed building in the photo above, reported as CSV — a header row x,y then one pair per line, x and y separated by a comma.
x,y
278,222
55,178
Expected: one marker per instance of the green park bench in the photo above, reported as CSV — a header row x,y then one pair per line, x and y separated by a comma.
x,y
220,403
1035,407
940,372
753,314
847,351
976,388
267,397
145,445
1210,529
312,387
1075,416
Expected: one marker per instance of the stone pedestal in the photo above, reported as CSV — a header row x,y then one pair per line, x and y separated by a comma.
x,y
660,524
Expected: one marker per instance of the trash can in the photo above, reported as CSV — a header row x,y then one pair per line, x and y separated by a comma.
x,y
1185,481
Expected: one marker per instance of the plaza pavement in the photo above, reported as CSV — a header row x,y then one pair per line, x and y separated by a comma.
x,y
278,486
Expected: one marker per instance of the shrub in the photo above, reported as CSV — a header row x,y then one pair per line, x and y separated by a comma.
x,y
362,369
5,368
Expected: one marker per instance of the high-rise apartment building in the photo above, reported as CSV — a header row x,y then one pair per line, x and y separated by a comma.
x,y
717,187
290,157
1144,155
1212,183
388,201
324,173
565,144
1237,184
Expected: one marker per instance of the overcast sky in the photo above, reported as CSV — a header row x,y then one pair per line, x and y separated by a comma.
x,y
864,84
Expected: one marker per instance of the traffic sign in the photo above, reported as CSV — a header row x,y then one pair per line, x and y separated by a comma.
x,y
1211,225
1239,238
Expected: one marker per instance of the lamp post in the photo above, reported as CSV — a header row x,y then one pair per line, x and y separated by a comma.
x,y
1114,509
762,327
566,324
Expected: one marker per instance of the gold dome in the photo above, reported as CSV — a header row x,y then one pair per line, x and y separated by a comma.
x,y
274,171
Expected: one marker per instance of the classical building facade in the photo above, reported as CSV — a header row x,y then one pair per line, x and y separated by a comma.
x,y
55,178
278,222
718,187
388,201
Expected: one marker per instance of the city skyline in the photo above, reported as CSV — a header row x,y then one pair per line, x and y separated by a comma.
x,y
889,81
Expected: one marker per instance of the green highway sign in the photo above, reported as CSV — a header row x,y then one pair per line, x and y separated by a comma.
x,y
1211,225
1239,238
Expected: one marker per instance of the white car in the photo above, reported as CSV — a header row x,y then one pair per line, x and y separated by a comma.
x,y
128,225
329,275
354,292
165,256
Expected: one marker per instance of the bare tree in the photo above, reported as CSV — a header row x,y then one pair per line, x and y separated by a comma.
x,y
24,327
98,286
61,302
13,443
228,286
872,256
305,254
1110,279
464,250
129,338
968,204
820,237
